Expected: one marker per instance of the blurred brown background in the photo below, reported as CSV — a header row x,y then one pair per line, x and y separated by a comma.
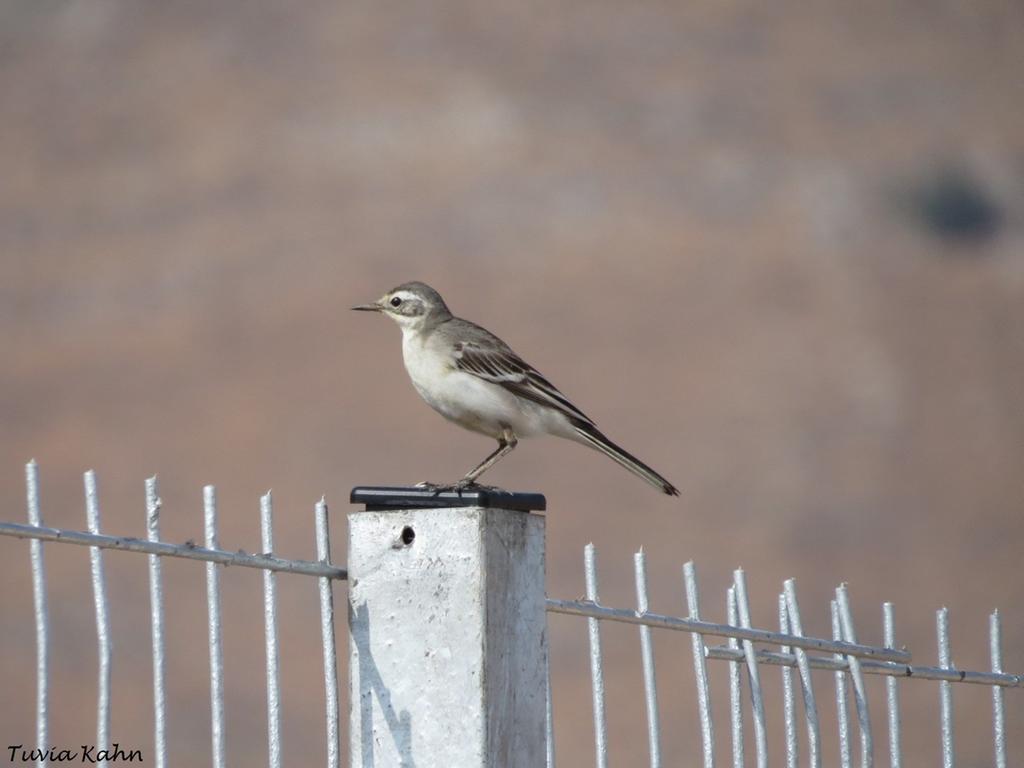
x,y
778,252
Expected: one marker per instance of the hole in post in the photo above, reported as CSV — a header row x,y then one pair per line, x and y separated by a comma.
x,y
408,535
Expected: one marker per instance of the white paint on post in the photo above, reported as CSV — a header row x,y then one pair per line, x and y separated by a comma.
x,y
448,641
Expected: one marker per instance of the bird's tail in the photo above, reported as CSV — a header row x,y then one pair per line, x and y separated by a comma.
x,y
589,435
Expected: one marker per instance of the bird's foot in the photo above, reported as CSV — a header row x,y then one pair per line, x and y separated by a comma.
x,y
464,484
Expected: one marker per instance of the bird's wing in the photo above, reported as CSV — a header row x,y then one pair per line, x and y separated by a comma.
x,y
490,359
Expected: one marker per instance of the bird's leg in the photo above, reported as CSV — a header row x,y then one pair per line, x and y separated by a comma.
x,y
506,443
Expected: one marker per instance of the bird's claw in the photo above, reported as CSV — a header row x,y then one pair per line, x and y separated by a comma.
x,y
435,487
462,485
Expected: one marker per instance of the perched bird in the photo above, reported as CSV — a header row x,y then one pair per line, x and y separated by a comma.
x,y
471,377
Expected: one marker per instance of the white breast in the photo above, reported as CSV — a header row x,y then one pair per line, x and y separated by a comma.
x,y
427,371
468,400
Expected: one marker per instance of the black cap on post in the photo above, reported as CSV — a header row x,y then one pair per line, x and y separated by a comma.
x,y
411,497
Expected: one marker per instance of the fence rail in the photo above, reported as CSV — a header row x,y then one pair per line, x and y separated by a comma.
x,y
188,550
646,618
848,659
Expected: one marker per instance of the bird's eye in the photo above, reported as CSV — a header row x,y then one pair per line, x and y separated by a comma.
x,y
396,302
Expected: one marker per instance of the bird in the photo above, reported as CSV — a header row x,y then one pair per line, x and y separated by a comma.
x,y
474,379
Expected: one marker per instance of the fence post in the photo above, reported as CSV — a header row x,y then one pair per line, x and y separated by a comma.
x,y
448,640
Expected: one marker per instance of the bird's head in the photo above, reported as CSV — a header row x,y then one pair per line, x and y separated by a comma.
x,y
411,305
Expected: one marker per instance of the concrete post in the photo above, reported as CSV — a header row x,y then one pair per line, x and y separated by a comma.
x,y
448,640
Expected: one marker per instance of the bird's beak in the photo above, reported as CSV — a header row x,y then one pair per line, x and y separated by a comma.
x,y
375,307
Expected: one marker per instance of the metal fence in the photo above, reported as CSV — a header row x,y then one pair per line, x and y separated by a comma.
x,y
849,660
210,553
746,649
